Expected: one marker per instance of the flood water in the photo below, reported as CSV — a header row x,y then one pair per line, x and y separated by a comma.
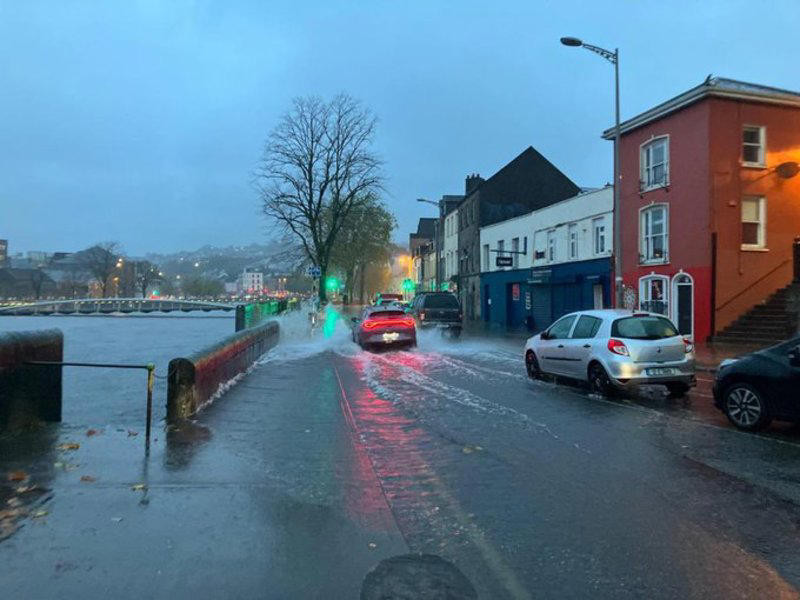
x,y
100,397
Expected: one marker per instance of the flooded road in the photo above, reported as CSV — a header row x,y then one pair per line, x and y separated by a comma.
x,y
326,459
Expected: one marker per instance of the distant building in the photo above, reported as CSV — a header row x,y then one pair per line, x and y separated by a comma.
x,y
27,284
251,281
3,253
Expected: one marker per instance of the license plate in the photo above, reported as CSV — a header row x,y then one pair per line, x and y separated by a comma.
x,y
391,337
662,371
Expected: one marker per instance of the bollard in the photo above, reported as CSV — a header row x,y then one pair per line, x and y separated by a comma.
x,y
151,372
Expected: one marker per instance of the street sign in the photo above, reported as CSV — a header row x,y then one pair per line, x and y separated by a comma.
x,y
504,261
313,271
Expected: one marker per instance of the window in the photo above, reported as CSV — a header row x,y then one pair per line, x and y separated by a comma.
x,y
560,329
551,246
753,218
653,294
515,249
643,328
485,257
586,327
754,146
599,229
653,230
573,241
654,163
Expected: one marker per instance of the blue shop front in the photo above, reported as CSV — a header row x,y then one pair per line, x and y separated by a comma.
x,y
531,299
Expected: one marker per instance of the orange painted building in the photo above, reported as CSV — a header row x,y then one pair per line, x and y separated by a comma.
x,y
710,202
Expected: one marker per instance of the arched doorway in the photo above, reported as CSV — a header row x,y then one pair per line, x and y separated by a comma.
x,y
683,303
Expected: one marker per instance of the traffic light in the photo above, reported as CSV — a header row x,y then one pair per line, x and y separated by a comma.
x,y
331,283
408,285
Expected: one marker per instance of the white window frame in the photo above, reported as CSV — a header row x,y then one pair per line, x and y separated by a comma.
x,y
485,257
598,227
572,236
644,169
643,236
762,147
515,250
551,246
762,222
646,297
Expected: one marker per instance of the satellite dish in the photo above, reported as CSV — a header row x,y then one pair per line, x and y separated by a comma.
x,y
787,170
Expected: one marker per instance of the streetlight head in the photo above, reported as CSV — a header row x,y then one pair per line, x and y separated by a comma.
x,y
421,200
571,41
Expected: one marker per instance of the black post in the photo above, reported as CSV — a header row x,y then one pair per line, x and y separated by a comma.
x,y
240,324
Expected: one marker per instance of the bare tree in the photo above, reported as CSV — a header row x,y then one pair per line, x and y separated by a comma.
x,y
317,166
101,261
146,275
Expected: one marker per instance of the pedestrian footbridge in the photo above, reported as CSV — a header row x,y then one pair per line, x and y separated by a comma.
x,y
91,306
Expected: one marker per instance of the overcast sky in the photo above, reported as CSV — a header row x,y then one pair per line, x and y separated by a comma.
x,y
141,121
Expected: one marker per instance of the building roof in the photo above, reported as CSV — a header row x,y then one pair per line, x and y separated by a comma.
x,y
718,87
426,228
527,183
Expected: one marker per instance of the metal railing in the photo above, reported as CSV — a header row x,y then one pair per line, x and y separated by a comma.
x,y
149,367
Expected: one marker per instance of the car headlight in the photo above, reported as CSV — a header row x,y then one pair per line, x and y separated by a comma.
x,y
728,362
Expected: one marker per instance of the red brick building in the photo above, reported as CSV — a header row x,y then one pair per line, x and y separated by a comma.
x,y
710,203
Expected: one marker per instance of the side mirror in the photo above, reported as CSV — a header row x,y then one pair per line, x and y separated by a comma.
x,y
544,335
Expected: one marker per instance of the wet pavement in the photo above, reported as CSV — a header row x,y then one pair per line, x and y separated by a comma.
x,y
325,460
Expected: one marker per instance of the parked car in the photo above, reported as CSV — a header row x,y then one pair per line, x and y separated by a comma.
x,y
384,298
384,326
439,310
756,388
614,349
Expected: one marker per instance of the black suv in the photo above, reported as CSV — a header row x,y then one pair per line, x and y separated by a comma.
x,y
439,310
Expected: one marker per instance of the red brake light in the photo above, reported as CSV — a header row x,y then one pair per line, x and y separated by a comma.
x,y
688,345
388,322
618,347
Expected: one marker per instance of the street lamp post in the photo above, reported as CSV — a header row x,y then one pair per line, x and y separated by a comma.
x,y
613,58
435,240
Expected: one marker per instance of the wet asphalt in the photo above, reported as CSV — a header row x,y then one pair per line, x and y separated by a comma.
x,y
326,459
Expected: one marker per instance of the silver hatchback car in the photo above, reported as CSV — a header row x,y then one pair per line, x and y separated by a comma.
x,y
614,349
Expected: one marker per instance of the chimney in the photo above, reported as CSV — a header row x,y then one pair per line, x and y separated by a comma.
x,y
472,183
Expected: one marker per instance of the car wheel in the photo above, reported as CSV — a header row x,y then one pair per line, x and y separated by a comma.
x,y
599,381
745,407
532,365
677,390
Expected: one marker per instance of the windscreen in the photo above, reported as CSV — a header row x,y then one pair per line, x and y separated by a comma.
x,y
441,301
643,328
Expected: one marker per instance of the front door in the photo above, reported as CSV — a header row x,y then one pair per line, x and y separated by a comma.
x,y
597,292
683,294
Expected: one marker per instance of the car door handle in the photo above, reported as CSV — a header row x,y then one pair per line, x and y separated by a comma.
x,y
587,345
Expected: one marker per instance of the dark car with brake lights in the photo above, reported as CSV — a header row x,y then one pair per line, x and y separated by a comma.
x,y
382,326
437,310
756,388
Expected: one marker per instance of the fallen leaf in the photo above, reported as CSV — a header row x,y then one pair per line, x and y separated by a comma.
x,y
478,447
373,545
70,467
58,465
88,479
132,433
116,519
17,476
91,432
68,446
10,513
466,450
23,489
39,513
139,487
13,501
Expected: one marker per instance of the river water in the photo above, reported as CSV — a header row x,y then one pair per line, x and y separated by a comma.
x,y
116,397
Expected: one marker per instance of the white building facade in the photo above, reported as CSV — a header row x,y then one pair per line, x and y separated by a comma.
x,y
560,261
450,247
251,282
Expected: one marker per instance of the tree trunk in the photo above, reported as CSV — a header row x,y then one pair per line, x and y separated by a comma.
x,y
322,292
361,283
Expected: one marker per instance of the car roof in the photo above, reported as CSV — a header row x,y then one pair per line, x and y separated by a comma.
x,y
612,313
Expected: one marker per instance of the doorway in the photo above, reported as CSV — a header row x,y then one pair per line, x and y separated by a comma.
x,y
683,303
597,295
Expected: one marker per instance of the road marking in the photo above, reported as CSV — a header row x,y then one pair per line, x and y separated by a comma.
x,y
492,558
